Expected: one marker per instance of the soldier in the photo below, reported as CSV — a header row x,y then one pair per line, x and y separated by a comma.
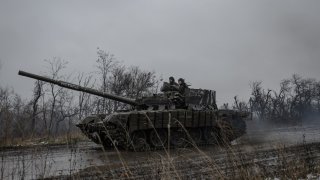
x,y
182,86
172,82
173,85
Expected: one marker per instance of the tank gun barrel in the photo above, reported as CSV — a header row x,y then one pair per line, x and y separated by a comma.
x,y
79,88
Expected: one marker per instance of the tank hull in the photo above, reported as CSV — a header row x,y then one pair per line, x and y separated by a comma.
x,y
142,130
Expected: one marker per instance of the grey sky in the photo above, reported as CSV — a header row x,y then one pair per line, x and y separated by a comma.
x,y
221,45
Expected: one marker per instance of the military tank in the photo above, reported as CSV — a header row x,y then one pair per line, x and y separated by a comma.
x,y
168,119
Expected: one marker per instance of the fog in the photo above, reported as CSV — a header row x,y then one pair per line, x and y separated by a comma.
x,y
220,45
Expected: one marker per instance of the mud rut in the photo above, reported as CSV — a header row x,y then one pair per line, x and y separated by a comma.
x,y
229,165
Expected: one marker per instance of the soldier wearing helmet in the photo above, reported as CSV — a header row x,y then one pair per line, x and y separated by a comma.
x,y
173,85
172,82
182,86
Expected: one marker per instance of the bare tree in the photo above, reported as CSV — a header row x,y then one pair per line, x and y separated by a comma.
x,y
142,82
56,65
21,117
84,107
119,82
260,99
37,93
6,117
105,63
130,82
14,114
117,79
240,105
65,110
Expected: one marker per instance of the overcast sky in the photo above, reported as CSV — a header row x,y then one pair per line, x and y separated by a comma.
x,y
221,45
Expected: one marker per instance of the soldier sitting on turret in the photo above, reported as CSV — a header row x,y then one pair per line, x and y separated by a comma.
x,y
182,86
170,86
173,85
172,82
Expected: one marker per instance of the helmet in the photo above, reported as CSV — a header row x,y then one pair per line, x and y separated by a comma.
x,y
181,79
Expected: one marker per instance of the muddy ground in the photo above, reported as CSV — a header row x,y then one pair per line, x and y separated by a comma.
x,y
87,160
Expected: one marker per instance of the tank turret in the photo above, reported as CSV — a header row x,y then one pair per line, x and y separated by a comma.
x,y
169,99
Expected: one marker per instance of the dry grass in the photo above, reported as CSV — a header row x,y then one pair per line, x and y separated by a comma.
x,y
69,138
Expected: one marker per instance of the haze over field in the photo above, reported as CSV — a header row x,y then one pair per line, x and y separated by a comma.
x,y
221,45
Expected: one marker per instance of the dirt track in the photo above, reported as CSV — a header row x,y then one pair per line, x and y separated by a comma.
x,y
293,150
230,164
258,149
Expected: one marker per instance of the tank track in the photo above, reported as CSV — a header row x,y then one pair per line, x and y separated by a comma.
x,y
141,140
224,130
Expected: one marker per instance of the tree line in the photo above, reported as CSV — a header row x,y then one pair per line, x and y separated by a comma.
x,y
296,100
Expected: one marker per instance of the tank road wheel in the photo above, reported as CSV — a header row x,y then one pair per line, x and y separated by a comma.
x,y
212,135
159,138
195,135
178,138
138,141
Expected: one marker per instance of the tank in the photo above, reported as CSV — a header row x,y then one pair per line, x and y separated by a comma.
x,y
165,120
